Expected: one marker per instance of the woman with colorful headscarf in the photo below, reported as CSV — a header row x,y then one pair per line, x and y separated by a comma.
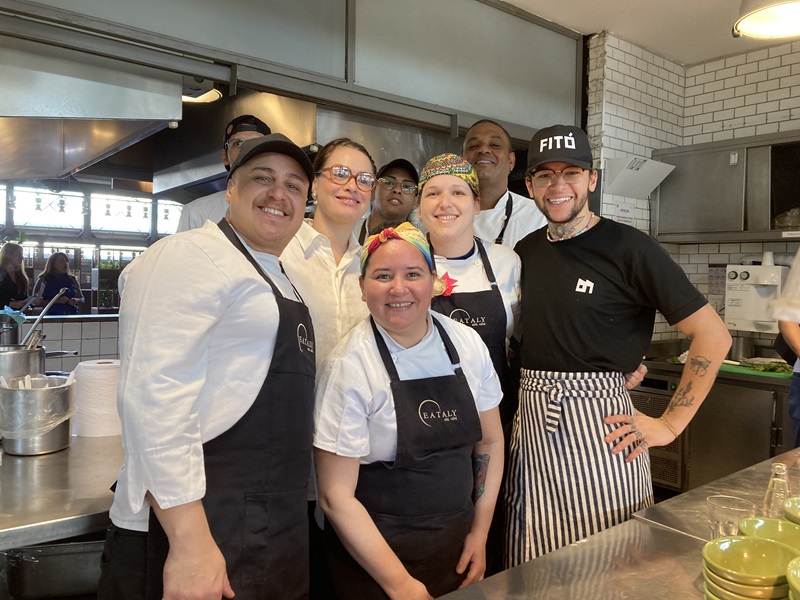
x,y
409,449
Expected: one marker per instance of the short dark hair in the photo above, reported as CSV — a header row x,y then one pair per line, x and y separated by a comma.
x,y
325,152
496,124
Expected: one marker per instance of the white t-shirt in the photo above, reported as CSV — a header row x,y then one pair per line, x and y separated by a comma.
x,y
470,276
331,292
354,413
197,327
208,208
525,218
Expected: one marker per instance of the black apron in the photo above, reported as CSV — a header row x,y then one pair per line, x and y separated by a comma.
x,y
485,312
422,502
257,471
509,210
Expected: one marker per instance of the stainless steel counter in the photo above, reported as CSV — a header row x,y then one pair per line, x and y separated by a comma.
x,y
656,555
59,495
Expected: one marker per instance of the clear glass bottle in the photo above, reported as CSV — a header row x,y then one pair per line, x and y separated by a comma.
x,y
777,492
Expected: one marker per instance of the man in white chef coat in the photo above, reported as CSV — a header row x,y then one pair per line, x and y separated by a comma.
x,y
590,288
216,397
505,217
213,206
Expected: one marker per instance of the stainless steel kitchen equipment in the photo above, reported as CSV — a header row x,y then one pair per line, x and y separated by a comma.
x,y
9,330
36,420
17,361
38,320
749,289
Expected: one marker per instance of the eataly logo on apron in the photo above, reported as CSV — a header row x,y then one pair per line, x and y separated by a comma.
x,y
465,318
305,344
429,410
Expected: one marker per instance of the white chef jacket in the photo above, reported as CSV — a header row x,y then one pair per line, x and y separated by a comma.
x,y
331,292
354,414
471,277
525,218
208,208
197,328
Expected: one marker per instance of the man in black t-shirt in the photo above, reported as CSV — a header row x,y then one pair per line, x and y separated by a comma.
x,y
590,288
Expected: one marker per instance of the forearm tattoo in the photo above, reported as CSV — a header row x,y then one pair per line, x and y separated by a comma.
x,y
699,365
480,466
682,397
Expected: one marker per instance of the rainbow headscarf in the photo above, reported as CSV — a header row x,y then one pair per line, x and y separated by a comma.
x,y
404,231
449,164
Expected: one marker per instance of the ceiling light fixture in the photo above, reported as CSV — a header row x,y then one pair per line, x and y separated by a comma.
x,y
208,96
768,19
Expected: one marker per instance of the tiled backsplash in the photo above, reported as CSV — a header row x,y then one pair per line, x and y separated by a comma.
x,y
639,102
92,339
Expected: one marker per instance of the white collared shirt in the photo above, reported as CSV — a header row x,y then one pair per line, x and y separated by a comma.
x,y
197,328
525,218
331,292
354,412
208,208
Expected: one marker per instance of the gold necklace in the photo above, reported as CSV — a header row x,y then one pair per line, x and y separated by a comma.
x,y
569,237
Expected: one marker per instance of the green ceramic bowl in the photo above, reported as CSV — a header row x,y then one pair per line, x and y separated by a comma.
x,y
708,594
791,510
779,530
749,560
741,590
793,576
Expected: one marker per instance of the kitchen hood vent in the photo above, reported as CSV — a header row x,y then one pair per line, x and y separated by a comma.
x,y
63,110
634,176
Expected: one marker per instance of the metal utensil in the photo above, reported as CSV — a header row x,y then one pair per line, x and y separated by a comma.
x,y
34,340
28,302
60,293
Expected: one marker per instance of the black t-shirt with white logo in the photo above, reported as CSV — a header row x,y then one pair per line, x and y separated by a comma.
x,y
589,302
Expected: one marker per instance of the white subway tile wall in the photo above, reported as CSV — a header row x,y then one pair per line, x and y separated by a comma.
x,y
92,341
639,102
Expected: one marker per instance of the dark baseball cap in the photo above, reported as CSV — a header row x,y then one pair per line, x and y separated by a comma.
x,y
245,123
273,142
560,143
400,163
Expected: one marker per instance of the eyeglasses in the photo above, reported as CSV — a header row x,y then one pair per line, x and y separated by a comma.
x,y
390,183
237,143
340,174
547,177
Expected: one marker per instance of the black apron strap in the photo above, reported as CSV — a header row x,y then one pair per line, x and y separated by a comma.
x,y
487,266
386,356
509,208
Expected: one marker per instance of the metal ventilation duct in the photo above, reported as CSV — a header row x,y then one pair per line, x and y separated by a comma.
x,y
62,110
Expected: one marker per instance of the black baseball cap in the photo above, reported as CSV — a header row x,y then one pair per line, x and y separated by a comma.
x,y
273,142
245,123
560,143
401,163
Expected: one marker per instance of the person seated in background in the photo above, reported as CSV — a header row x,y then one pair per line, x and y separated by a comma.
x,y
409,447
214,206
13,280
395,198
57,275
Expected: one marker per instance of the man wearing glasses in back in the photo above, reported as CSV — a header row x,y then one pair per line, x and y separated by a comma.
x,y
214,206
395,198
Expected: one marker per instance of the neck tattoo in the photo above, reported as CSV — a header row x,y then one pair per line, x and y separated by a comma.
x,y
567,231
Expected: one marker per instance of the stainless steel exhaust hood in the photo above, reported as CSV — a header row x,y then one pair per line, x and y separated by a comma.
x,y
189,157
62,110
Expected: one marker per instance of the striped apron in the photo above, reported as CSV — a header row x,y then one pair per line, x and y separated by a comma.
x,y
563,483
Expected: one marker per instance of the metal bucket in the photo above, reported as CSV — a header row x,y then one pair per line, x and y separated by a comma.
x,y
16,361
23,412
9,331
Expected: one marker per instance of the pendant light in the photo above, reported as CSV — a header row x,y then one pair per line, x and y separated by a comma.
x,y
768,19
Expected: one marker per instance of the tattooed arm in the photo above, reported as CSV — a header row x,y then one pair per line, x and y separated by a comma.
x,y
710,344
487,461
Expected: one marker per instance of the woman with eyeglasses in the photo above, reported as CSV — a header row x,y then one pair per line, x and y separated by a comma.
x,y
322,263
395,198
408,442
13,280
322,258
